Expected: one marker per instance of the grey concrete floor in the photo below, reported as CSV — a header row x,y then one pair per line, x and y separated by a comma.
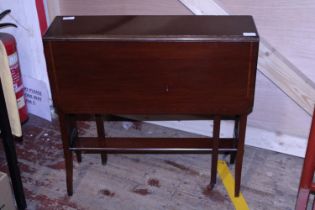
x,y
146,181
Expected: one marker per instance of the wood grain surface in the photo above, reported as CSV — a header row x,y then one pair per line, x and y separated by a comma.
x,y
152,78
110,67
273,109
185,69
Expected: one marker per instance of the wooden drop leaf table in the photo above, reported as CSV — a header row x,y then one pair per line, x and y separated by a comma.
x,y
165,67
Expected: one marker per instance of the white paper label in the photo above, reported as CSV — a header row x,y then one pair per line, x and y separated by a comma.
x,y
13,59
249,34
36,97
68,18
20,102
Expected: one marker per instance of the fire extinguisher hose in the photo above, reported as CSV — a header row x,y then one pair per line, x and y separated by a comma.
x,y
9,94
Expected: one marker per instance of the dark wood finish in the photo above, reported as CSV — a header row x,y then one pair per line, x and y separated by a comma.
x,y
236,136
240,153
101,135
65,129
74,135
153,67
126,145
134,118
215,150
9,148
153,28
179,81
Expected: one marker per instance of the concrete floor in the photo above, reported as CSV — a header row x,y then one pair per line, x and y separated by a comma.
x,y
141,182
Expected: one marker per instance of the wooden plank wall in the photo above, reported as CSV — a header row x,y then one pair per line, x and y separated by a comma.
x,y
273,110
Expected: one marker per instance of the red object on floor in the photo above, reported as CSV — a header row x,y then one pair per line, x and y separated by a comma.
x,y
10,47
306,184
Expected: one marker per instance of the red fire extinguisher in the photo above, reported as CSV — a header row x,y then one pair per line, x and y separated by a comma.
x,y
10,46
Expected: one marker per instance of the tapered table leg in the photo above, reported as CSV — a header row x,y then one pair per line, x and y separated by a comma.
x,y
101,135
240,154
74,136
79,156
215,151
235,135
65,130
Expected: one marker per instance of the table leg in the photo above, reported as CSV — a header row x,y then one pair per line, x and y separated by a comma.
x,y
101,135
235,135
215,150
65,129
79,156
74,136
240,154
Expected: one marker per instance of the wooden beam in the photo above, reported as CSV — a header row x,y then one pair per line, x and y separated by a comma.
x,y
271,63
286,76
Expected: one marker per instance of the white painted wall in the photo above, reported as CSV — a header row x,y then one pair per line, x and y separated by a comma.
x,y
28,36
289,28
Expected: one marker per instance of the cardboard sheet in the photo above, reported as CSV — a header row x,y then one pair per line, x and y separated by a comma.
x,y
9,95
